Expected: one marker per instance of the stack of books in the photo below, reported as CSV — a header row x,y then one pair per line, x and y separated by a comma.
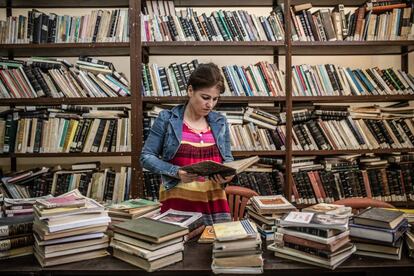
x,y
16,236
379,233
237,248
69,228
266,210
313,238
192,220
133,209
19,207
147,243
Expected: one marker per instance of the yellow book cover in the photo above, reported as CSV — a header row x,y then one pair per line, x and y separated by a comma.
x,y
234,230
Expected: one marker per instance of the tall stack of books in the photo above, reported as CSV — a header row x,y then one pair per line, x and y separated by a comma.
x,y
266,210
313,238
237,248
147,243
379,233
69,228
16,236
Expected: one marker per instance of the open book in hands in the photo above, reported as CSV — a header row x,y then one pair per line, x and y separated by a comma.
x,y
209,168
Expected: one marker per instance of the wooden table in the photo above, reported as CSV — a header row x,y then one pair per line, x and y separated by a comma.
x,y
197,261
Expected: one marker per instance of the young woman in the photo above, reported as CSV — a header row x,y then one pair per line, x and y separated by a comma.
x,y
188,134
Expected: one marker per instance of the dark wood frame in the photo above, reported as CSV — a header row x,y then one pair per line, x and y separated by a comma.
x,y
139,52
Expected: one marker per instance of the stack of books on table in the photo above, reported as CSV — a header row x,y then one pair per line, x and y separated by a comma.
x,y
132,209
69,228
16,236
379,233
147,243
192,220
265,211
313,238
237,248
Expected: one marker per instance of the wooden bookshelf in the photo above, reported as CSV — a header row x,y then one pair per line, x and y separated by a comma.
x,y
344,48
66,49
140,51
65,4
213,48
59,101
59,154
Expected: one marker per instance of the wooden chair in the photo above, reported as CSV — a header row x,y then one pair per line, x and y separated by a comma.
x,y
357,203
238,198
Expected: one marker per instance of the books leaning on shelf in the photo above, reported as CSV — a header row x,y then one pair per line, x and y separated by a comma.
x,y
147,243
70,234
106,185
208,168
57,78
313,238
371,21
41,27
221,25
59,129
265,79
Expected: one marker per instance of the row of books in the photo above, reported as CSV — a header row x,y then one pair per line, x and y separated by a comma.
x,y
40,27
390,128
166,81
265,79
57,130
345,176
221,25
330,80
103,185
389,22
57,78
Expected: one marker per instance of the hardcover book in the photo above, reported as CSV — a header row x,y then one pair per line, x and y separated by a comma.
x,y
208,168
378,217
150,230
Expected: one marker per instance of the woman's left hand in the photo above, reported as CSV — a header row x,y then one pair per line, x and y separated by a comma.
x,y
218,179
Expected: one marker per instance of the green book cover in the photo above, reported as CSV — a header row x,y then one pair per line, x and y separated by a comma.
x,y
150,229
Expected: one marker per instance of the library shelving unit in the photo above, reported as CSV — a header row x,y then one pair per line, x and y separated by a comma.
x,y
288,49
77,49
139,52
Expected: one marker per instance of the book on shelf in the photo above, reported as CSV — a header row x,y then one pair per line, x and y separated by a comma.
x,y
208,168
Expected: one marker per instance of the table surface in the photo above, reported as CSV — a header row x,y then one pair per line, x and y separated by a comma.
x,y
197,259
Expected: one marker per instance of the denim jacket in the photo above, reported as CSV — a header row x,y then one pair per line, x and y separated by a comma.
x,y
165,137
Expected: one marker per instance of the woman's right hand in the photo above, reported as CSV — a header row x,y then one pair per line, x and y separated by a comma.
x,y
186,177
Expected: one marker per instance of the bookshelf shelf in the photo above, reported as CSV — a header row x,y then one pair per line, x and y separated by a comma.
x,y
354,99
81,154
396,47
58,101
214,48
65,4
223,99
357,151
267,99
259,152
66,49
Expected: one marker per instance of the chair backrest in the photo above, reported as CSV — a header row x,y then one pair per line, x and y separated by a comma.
x,y
357,203
238,198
